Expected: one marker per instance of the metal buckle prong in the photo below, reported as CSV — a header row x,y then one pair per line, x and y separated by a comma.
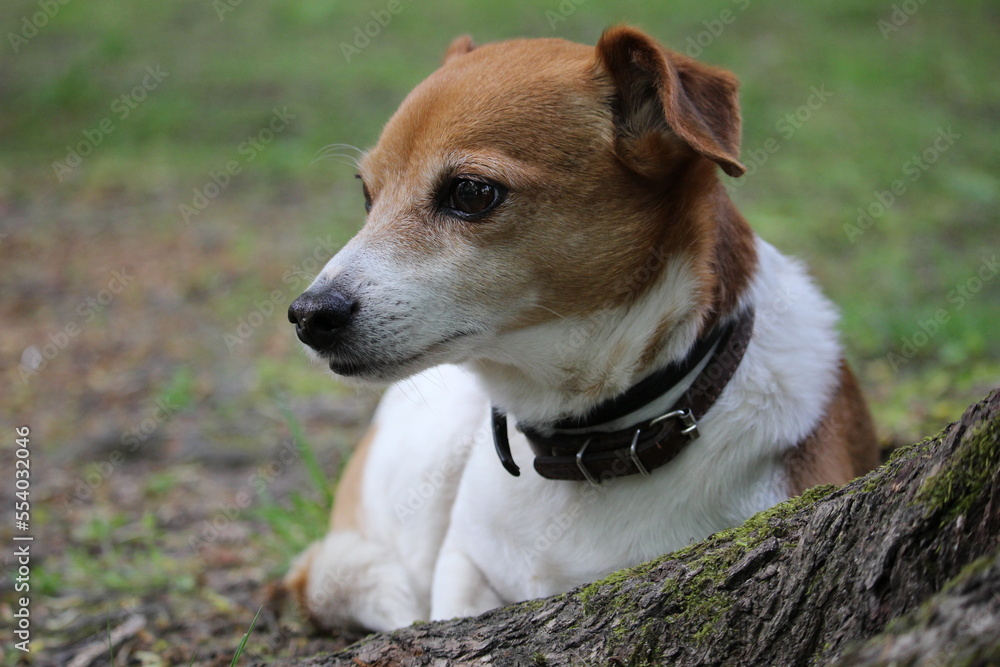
x,y
583,466
635,455
687,420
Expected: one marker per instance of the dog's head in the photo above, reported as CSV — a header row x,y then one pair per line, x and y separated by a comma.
x,y
525,182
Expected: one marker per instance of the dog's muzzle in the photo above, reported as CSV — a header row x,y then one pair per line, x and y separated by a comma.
x,y
319,317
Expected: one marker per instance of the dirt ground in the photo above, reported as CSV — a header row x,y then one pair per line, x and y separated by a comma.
x,y
173,423
166,481
182,447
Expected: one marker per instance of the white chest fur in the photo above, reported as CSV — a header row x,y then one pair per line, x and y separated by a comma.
x,y
436,495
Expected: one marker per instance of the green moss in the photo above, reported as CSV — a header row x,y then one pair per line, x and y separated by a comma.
x,y
972,569
954,489
875,478
615,580
696,596
871,484
820,656
646,642
761,525
532,605
905,452
815,580
927,615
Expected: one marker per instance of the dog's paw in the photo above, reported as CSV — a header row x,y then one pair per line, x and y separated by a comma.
x,y
347,581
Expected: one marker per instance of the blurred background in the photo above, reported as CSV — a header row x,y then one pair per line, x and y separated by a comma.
x,y
173,174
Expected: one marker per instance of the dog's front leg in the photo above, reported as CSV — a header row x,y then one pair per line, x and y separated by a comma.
x,y
460,588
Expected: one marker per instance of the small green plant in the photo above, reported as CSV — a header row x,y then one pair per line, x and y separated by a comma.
x,y
303,517
111,646
179,391
313,467
246,636
119,553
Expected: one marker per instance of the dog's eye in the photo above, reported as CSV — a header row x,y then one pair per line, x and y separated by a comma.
x,y
368,199
368,195
471,198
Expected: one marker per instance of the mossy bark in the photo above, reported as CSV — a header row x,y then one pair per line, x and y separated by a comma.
x,y
901,566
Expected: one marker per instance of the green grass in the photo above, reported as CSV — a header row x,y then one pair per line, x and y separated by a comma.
x,y
313,467
178,393
889,98
236,656
243,642
116,553
111,647
304,516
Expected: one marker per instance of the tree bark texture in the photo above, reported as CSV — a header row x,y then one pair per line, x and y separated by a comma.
x,y
901,567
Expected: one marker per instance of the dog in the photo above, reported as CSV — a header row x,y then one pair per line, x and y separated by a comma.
x,y
552,273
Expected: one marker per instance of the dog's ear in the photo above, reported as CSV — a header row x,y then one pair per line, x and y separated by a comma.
x,y
458,47
660,91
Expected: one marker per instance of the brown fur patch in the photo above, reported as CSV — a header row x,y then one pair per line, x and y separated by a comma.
x,y
842,447
656,342
583,229
458,47
662,89
348,498
297,578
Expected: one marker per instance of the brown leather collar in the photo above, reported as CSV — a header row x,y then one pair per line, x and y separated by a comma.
x,y
599,455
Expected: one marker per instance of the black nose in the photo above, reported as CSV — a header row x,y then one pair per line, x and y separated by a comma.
x,y
318,317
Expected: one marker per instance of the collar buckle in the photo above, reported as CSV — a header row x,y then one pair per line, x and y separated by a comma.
x,y
690,430
561,452
634,455
594,482
687,421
